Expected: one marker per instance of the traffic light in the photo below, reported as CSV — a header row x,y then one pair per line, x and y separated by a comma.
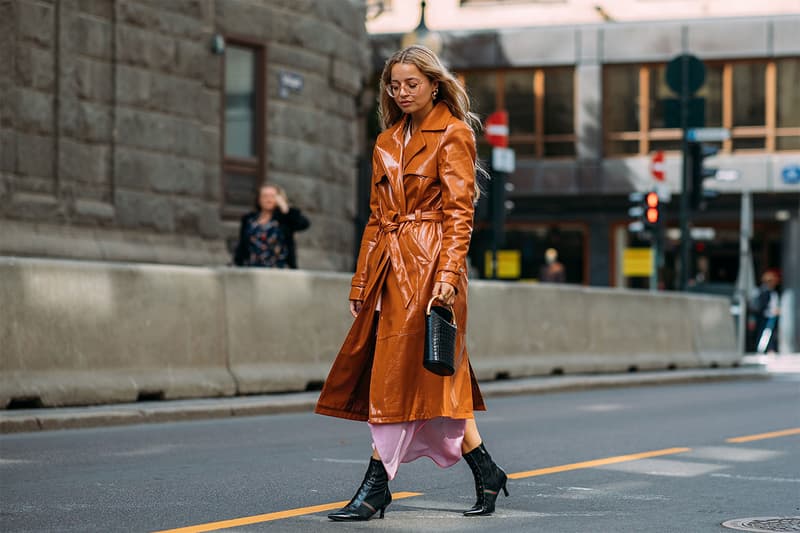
x,y
698,194
636,211
645,211
651,207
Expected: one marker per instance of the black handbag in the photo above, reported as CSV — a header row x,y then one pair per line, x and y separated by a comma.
x,y
440,340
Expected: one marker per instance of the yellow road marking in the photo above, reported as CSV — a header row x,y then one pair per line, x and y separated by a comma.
x,y
300,511
762,436
257,519
597,462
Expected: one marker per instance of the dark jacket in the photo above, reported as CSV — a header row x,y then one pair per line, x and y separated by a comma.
x,y
289,222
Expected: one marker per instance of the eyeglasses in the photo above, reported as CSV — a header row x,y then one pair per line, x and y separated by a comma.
x,y
412,87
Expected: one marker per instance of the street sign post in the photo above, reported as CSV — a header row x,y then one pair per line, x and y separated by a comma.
x,y
496,129
503,159
685,74
496,133
657,166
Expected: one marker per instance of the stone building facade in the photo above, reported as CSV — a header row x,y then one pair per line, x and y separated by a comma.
x,y
113,119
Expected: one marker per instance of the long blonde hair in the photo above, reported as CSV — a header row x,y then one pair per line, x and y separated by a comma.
x,y
451,92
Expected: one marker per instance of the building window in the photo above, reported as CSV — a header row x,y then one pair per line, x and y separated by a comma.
x,y
540,105
243,139
751,98
786,109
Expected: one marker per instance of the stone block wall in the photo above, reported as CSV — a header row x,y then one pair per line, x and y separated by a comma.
x,y
111,125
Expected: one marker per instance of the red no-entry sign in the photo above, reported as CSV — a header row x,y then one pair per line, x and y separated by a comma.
x,y
496,129
657,166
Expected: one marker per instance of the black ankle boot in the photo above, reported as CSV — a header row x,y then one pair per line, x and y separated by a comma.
x,y
372,496
489,479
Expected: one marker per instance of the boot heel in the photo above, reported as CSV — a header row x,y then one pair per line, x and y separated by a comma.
x,y
505,490
383,510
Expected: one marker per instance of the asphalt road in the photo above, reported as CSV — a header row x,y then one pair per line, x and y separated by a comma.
x,y
161,476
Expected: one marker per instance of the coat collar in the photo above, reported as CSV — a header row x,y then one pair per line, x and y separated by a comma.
x,y
396,158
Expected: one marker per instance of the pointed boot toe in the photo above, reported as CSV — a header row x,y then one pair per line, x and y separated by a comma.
x,y
372,496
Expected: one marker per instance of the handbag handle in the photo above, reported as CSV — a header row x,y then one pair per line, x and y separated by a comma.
x,y
430,303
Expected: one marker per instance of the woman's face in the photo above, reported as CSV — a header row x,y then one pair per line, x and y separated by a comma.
x,y
267,198
410,88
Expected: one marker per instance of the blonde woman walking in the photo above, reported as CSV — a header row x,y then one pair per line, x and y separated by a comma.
x,y
414,248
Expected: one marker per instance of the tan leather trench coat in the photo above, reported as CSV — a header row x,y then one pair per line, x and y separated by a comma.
x,y
418,233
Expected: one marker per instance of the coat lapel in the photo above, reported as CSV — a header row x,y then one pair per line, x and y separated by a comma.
x,y
390,148
436,120
395,157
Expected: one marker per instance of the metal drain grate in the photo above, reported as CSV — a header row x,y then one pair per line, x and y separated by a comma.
x,y
768,523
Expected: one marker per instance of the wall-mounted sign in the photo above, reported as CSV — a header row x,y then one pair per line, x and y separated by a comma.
x,y
289,82
637,262
791,174
503,160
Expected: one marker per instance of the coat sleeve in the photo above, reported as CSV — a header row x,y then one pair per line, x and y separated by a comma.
x,y
457,176
293,219
368,240
241,247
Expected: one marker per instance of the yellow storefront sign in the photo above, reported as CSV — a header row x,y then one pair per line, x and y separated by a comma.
x,y
509,264
637,262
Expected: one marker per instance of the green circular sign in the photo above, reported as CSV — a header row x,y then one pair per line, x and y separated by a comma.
x,y
687,66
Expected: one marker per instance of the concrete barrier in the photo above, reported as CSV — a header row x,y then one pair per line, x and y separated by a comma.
x,y
549,329
77,333
284,327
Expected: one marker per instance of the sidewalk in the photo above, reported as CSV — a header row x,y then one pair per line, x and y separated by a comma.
x,y
178,410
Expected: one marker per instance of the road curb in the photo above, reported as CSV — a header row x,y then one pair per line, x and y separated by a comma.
x,y
203,409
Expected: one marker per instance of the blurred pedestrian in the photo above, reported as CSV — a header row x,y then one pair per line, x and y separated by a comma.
x,y
414,248
266,235
552,271
767,307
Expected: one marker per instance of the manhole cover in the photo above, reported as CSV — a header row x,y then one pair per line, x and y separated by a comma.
x,y
765,523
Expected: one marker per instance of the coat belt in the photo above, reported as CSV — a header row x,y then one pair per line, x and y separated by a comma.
x,y
389,226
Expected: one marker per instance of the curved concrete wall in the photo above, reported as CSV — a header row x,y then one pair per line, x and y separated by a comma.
x,y
76,333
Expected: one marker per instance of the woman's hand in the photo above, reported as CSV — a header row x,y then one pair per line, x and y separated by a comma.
x,y
282,203
355,307
444,292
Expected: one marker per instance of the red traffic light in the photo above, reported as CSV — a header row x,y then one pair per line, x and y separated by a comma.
x,y
651,201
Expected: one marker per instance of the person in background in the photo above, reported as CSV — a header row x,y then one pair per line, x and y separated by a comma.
x,y
552,271
767,308
266,235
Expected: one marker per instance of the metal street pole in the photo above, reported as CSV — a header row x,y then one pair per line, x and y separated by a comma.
x,y
745,267
497,207
656,247
684,207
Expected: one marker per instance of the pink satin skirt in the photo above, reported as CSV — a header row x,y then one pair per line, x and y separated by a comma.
x,y
437,438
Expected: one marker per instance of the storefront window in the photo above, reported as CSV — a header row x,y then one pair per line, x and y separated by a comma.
x,y
559,116
748,94
519,101
531,242
788,89
481,87
540,106
622,98
641,112
786,108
